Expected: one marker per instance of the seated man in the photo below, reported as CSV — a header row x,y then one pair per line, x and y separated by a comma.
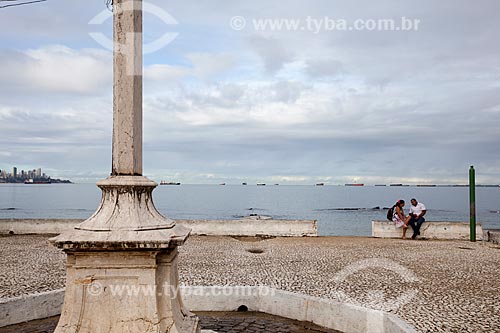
x,y
417,212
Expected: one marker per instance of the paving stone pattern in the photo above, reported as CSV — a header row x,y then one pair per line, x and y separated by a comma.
x,y
450,286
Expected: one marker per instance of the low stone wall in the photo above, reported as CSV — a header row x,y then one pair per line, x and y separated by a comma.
x,y
252,227
36,226
429,230
323,312
242,227
31,307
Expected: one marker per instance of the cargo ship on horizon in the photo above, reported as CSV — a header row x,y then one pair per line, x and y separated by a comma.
x,y
37,181
164,182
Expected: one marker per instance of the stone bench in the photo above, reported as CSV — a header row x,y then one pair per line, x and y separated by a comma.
x,y
429,230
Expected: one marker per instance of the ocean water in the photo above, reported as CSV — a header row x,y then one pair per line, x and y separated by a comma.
x,y
326,204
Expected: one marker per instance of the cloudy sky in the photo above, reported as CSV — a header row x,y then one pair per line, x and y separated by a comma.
x,y
293,106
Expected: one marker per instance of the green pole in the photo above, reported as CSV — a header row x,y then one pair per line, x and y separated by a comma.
x,y
472,199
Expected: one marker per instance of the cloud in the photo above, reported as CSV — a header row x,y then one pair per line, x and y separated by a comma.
x,y
324,68
209,66
202,66
272,51
55,69
289,106
164,72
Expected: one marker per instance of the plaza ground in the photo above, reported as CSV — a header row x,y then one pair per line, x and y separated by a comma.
x,y
436,286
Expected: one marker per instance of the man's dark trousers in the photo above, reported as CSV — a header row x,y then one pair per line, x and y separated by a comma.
x,y
415,225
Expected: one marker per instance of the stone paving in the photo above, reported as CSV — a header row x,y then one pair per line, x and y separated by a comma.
x,y
28,264
436,286
231,322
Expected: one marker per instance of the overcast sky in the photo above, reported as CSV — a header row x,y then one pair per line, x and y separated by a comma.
x,y
230,105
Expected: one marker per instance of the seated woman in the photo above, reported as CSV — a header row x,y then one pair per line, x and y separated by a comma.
x,y
399,217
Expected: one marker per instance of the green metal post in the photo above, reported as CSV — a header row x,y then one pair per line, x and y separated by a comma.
x,y
472,199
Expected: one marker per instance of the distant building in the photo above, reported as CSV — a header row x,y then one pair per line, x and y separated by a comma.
x,y
20,176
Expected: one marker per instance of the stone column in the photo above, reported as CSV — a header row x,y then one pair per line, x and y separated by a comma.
x,y
127,88
122,261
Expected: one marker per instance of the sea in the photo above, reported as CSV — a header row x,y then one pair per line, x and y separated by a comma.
x,y
339,210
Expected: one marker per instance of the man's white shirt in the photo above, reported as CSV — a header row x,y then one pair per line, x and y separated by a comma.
x,y
417,209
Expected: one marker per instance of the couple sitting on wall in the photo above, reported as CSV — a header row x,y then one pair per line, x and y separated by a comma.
x,y
415,218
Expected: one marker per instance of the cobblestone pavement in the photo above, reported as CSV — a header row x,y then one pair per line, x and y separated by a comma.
x,y
436,286
230,322
28,264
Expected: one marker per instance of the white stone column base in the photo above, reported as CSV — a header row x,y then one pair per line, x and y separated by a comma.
x,y
119,292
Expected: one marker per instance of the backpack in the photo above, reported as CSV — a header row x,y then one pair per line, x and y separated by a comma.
x,y
390,213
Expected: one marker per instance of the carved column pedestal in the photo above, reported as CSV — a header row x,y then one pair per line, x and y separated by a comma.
x,y
122,266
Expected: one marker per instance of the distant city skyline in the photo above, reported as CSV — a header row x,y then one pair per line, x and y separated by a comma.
x,y
31,176
233,104
23,174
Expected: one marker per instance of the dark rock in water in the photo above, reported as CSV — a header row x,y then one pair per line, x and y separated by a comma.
x,y
10,208
348,209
